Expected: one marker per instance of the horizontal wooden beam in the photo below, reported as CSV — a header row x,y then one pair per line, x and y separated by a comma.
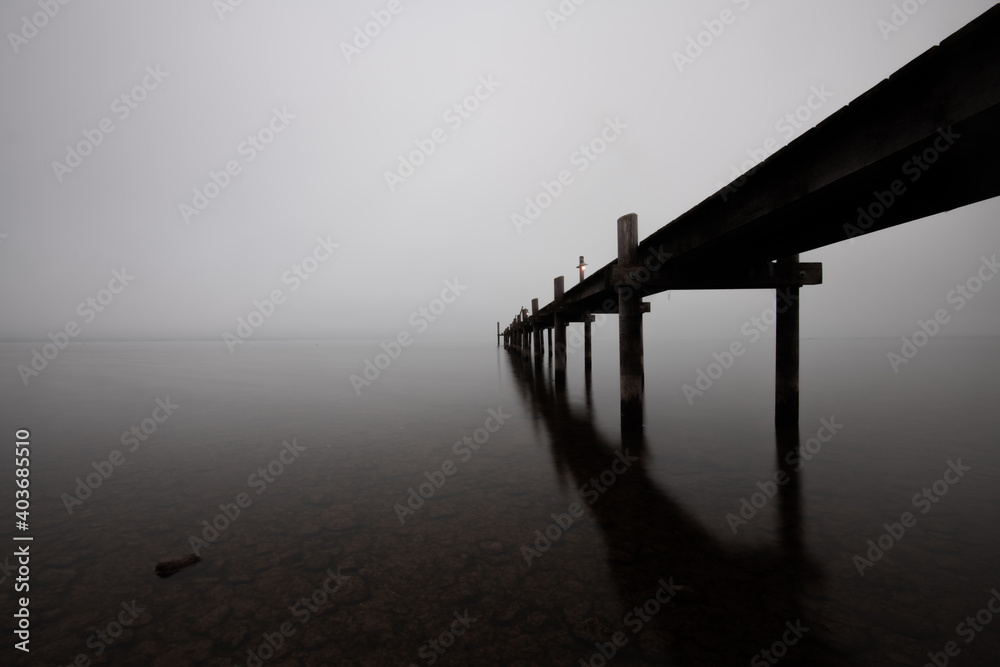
x,y
762,276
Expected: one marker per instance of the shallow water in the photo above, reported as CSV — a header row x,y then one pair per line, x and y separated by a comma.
x,y
641,517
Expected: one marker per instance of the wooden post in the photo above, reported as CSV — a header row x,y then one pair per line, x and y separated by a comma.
x,y
789,494
521,324
587,354
537,333
560,327
786,365
630,352
527,333
498,334
550,341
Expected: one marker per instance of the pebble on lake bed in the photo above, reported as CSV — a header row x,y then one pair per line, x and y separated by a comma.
x,y
169,567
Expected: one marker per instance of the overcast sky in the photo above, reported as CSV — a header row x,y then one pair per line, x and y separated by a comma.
x,y
340,109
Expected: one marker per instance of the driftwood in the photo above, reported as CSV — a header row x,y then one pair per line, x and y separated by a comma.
x,y
173,566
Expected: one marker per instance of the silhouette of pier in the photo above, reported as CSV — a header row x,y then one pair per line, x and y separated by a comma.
x,y
924,141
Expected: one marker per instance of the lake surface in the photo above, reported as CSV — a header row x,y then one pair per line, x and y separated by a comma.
x,y
546,537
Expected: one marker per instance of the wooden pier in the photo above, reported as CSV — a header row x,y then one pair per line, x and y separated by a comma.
x,y
937,118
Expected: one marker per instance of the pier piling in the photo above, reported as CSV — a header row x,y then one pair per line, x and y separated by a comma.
x,y
630,350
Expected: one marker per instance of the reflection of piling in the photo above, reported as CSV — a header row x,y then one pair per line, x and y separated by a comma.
x,y
786,365
630,352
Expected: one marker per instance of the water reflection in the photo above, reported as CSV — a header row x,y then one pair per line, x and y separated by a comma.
x,y
735,602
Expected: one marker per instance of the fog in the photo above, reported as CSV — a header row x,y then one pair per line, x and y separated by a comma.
x,y
232,151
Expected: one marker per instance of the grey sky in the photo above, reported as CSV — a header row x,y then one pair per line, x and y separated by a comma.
x,y
549,91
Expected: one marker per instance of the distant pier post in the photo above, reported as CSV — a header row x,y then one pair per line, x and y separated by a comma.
x,y
550,341
786,366
630,352
560,329
536,333
587,351
526,350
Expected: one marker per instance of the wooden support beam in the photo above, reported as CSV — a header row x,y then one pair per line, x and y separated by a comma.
x,y
526,334
536,332
560,331
630,350
786,366
766,275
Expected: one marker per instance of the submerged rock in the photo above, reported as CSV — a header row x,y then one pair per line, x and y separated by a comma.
x,y
169,567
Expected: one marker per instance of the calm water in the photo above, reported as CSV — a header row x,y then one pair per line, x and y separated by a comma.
x,y
644,520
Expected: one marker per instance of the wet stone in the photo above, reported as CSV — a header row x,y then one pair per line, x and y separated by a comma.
x,y
576,611
145,618
313,639
316,561
536,621
212,618
508,612
592,629
352,590
464,592
235,637
318,498
492,547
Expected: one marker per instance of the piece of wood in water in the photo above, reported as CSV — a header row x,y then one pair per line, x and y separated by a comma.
x,y
169,567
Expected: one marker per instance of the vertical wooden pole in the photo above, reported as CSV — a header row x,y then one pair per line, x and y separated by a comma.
x,y
550,341
630,352
789,494
527,333
560,327
587,353
537,333
786,365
